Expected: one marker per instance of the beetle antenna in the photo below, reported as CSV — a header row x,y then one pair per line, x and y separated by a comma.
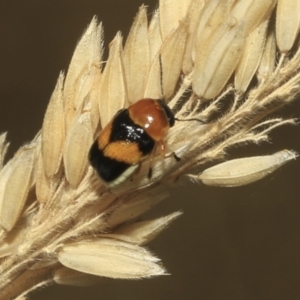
x,y
161,76
191,119
162,90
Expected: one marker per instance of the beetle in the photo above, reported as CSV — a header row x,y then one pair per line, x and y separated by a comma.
x,y
133,134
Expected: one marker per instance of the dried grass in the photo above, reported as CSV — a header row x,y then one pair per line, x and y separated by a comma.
x,y
59,222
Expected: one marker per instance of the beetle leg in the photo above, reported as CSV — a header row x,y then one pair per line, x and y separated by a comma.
x,y
163,152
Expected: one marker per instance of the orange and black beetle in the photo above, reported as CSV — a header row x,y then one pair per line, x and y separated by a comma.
x,y
129,138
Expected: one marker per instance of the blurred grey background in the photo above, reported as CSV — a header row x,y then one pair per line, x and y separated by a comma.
x,y
241,243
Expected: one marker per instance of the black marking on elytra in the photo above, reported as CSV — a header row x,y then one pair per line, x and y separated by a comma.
x,y
108,169
124,129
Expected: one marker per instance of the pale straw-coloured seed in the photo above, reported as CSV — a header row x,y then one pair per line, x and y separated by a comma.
x,y
113,89
215,63
166,67
250,13
17,186
53,131
179,9
242,171
211,26
92,98
22,297
4,175
45,186
251,56
141,233
171,12
154,88
211,17
3,148
110,258
192,19
77,145
88,52
154,35
137,56
267,62
66,276
172,52
183,7
80,57
287,24
88,79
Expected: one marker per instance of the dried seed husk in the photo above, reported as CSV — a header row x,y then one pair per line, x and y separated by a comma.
x,y
89,78
88,52
136,206
53,131
78,142
21,297
45,187
83,55
17,186
213,14
167,72
4,175
92,99
140,233
137,56
267,62
215,63
250,13
3,148
192,19
154,87
182,8
110,258
172,52
66,276
287,24
113,88
242,171
171,12
154,35
250,58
